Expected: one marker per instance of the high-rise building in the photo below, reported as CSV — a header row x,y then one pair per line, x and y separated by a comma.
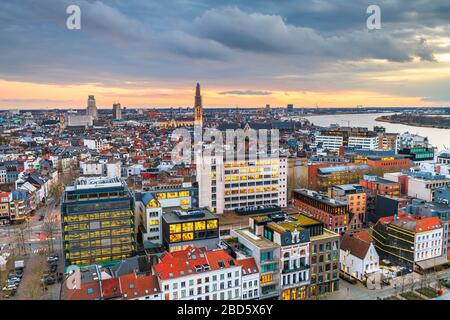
x,y
98,221
117,111
198,116
228,184
290,108
92,108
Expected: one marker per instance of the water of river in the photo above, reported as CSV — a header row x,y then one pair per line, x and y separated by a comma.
x,y
439,138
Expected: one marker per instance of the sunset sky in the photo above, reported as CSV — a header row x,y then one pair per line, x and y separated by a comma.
x,y
248,53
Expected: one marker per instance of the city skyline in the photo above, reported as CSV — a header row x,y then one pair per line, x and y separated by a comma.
x,y
152,54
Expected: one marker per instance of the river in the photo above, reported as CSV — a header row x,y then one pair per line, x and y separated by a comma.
x,y
439,138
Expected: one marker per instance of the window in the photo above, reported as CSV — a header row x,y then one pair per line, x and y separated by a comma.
x,y
188,226
175,228
200,225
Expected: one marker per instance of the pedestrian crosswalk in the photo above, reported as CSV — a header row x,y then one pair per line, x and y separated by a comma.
x,y
40,250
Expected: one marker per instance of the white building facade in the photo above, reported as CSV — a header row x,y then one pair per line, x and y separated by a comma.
x,y
228,185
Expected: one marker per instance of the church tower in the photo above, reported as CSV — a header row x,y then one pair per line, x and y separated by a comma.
x,y
198,108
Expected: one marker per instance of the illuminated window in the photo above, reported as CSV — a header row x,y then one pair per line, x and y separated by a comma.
x,y
185,202
188,236
266,278
153,222
184,193
212,224
188,227
160,196
175,228
172,195
200,225
175,237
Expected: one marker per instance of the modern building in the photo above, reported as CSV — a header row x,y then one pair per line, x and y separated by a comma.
x,y
422,185
150,206
408,140
245,244
4,208
290,108
193,227
199,274
293,240
323,256
418,154
334,214
117,111
334,175
226,185
356,198
439,209
414,242
333,139
98,221
91,109
82,121
18,206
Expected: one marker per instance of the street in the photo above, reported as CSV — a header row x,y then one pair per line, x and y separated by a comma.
x,y
37,247
348,291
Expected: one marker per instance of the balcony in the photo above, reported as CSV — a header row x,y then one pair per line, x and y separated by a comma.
x,y
299,268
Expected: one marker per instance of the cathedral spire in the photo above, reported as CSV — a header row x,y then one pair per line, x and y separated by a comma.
x,y
198,117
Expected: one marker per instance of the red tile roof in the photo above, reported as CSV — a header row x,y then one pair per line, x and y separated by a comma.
x,y
111,288
134,286
88,291
355,246
191,261
249,266
401,215
363,235
427,224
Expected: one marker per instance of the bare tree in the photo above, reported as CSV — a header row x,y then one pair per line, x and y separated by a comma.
x,y
33,284
20,237
50,228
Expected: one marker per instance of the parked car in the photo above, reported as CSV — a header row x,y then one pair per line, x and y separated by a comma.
x,y
48,280
41,218
52,258
14,279
10,287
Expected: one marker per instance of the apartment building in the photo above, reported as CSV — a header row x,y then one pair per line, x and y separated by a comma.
x,y
423,185
227,185
151,204
4,208
414,242
293,240
198,274
194,227
329,142
356,199
334,214
98,221
250,279
245,244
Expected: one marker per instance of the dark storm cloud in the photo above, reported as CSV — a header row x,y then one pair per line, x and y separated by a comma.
x,y
231,43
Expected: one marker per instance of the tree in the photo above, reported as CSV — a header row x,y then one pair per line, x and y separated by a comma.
x,y
20,237
33,285
50,228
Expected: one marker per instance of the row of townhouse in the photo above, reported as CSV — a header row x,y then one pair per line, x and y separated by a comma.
x,y
190,274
